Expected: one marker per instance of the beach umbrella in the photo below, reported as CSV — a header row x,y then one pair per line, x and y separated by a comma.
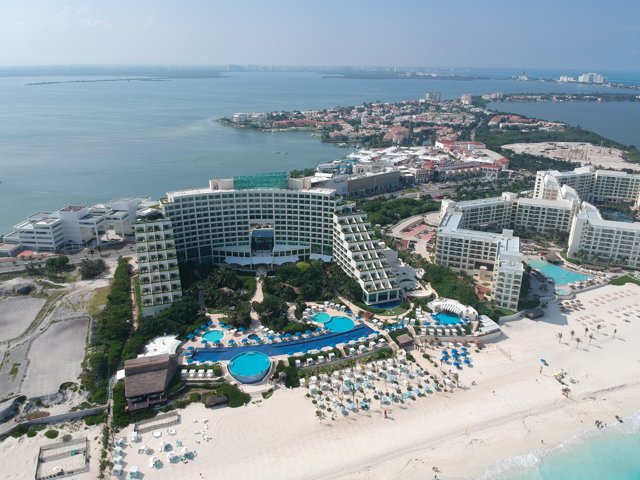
x,y
467,361
205,341
308,332
464,354
280,335
231,342
288,335
217,342
271,337
241,329
456,364
203,326
190,360
190,348
298,334
244,340
190,336
210,322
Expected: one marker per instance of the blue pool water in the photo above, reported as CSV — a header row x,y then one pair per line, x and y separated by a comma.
x,y
283,348
249,367
447,318
339,324
559,275
213,336
321,317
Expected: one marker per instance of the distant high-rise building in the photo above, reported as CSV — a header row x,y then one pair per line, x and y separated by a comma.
x,y
433,97
591,78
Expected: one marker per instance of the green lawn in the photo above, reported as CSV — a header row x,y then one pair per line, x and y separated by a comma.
x,y
98,301
624,279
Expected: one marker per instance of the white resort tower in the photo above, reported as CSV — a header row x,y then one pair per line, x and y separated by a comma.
x,y
263,221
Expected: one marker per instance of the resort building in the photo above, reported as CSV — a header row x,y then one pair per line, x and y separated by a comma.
x,y
594,239
263,221
146,380
76,226
158,274
361,257
252,221
480,252
591,185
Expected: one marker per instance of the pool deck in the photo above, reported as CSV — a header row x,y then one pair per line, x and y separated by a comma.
x,y
286,347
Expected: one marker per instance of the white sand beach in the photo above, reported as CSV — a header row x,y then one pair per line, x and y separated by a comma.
x,y
512,410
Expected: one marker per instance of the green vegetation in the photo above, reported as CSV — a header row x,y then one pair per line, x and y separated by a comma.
x,y
451,284
387,211
305,172
90,268
110,331
533,163
120,417
544,239
95,419
625,279
14,370
51,434
98,301
483,188
182,316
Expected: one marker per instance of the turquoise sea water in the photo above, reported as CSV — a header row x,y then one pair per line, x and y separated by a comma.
x,y
608,454
91,142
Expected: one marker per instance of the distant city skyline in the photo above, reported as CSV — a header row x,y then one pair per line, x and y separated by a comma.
x,y
567,35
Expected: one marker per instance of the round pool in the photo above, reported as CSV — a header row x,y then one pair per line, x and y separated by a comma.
x,y
339,324
321,317
249,367
213,335
447,318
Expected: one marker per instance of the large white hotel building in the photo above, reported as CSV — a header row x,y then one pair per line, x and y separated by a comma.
x,y
476,235
262,221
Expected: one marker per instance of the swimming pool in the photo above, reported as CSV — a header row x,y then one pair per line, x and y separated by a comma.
x,y
559,275
447,318
339,324
213,336
321,317
283,348
249,367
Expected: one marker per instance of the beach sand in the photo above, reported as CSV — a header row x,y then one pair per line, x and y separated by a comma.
x,y
513,409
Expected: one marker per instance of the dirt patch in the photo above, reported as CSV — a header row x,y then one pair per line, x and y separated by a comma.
x,y
16,314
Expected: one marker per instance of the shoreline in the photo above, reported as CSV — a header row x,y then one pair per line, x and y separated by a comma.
x,y
506,405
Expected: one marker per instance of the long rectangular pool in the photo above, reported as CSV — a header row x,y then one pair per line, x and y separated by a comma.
x,y
283,348
559,275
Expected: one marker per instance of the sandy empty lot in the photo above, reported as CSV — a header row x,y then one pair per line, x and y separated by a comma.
x,y
16,314
580,152
55,357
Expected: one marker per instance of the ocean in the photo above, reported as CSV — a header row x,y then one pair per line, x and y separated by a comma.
x,y
85,143
610,453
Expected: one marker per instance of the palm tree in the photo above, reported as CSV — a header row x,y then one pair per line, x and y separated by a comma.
x,y
598,327
578,340
559,335
590,338
615,330
586,330
572,334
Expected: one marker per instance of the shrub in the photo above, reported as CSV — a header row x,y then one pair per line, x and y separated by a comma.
x,y
194,397
66,437
51,433
217,370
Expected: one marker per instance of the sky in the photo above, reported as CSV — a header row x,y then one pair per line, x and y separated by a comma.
x,y
572,34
